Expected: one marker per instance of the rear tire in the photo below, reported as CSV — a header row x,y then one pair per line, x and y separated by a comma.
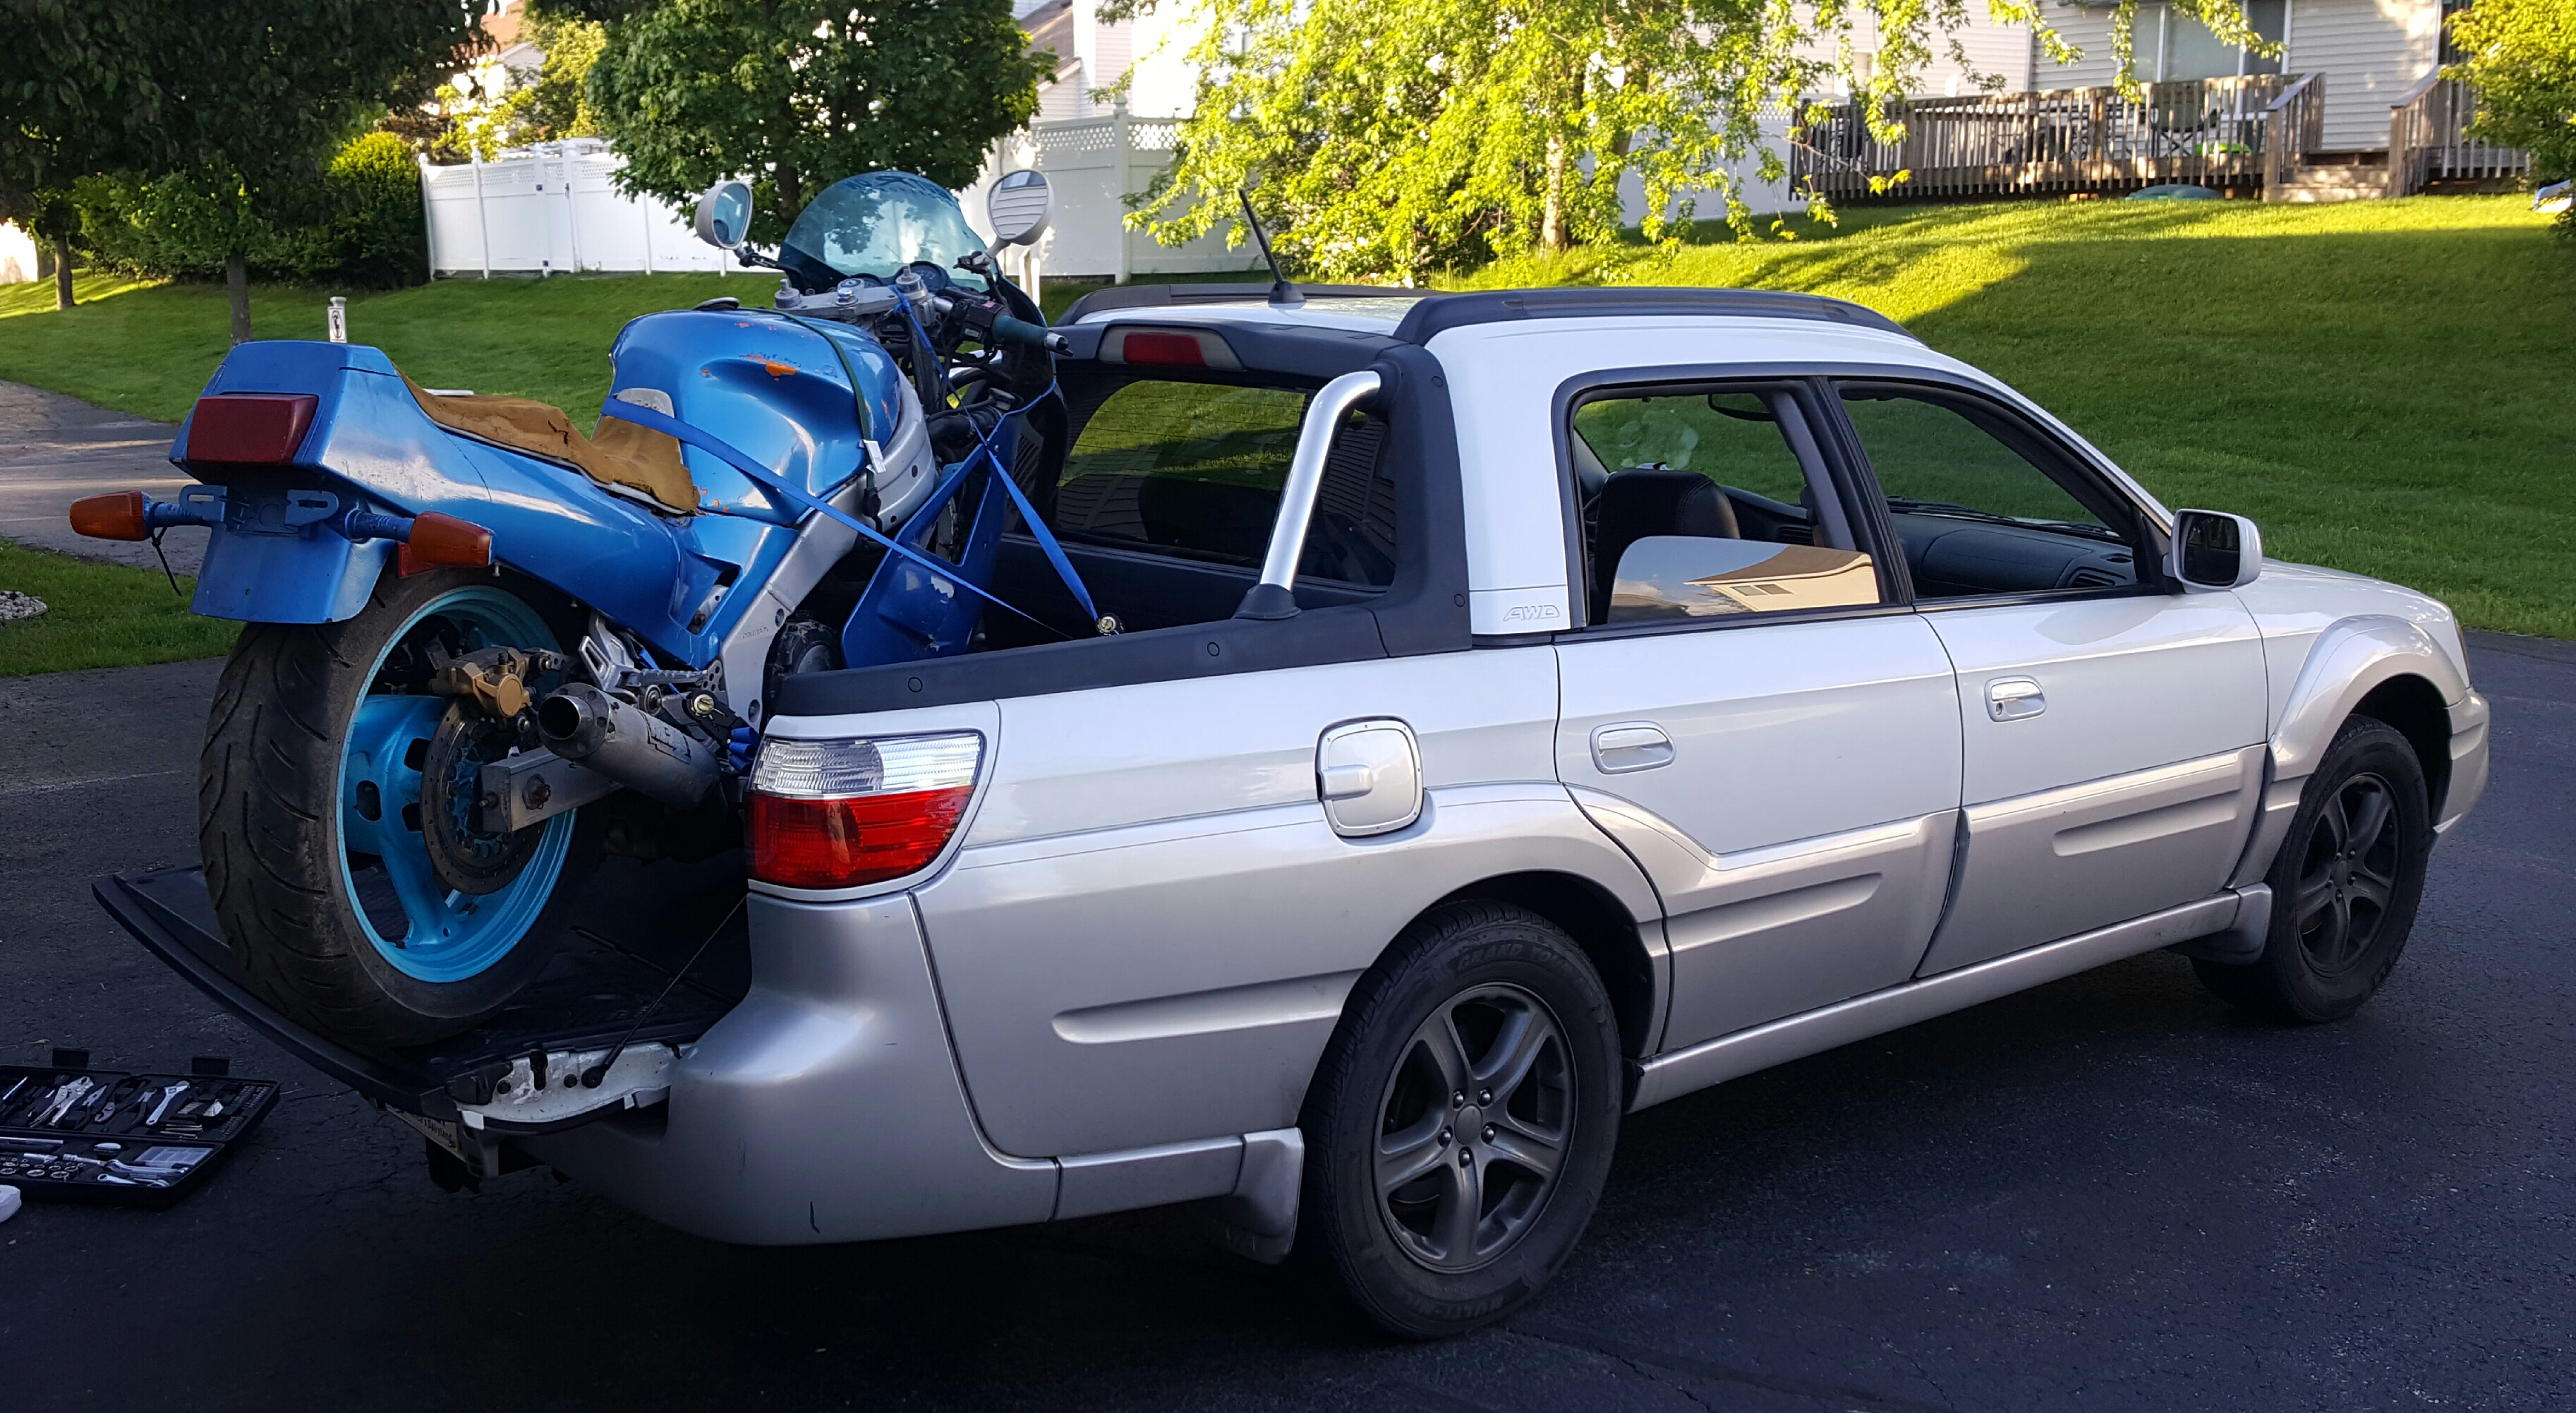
x,y
2345,885
277,811
1483,1034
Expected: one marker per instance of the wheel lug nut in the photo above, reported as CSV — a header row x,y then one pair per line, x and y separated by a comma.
x,y
1489,1133
1466,1159
1458,1100
1444,1138
1484,1096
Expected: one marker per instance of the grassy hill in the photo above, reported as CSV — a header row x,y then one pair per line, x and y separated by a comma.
x,y
2385,386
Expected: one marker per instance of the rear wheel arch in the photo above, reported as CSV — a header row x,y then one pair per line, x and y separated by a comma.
x,y
1601,925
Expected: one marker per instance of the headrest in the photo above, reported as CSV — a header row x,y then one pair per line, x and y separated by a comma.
x,y
1653,501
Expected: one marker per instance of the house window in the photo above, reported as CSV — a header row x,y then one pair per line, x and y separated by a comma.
x,y
2184,48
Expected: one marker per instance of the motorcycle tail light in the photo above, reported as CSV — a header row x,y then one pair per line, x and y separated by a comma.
x,y
445,540
841,813
249,429
116,517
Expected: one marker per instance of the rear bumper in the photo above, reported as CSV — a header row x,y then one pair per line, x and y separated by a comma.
x,y
824,1107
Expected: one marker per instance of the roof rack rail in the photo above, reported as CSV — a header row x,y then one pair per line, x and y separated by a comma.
x,y
1165,296
1435,311
1451,311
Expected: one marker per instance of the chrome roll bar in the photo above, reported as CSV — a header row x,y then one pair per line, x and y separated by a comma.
x,y
1275,595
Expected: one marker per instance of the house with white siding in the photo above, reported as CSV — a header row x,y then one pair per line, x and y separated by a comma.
x,y
2356,80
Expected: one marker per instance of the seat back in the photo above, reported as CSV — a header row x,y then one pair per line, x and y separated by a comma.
x,y
1649,500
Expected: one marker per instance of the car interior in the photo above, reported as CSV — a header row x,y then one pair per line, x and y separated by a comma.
x,y
1981,503
1164,500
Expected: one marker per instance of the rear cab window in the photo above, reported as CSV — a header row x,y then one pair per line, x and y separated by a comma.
x,y
1195,470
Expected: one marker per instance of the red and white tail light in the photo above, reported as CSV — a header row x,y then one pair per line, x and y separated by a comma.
x,y
847,812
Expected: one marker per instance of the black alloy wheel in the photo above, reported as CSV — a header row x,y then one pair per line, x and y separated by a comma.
x,y
1474,1128
2344,886
1460,1126
2349,874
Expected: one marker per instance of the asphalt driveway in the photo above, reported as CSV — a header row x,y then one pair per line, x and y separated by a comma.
x,y
56,449
2109,1193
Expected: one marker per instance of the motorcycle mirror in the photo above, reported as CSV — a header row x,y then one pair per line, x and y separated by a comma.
x,y
724,214
1018,208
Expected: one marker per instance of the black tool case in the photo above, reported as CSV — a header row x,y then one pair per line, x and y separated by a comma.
x,y
71,1133
606,975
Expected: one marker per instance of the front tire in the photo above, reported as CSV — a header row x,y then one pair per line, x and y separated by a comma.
x,y
1462,1121
2345,885
310,822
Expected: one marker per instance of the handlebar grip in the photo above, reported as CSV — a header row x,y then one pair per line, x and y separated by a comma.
x,y
1020,331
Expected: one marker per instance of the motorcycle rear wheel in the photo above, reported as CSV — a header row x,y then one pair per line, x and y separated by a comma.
x,y
310,813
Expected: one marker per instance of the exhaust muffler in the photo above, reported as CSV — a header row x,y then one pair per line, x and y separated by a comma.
x,y
623,742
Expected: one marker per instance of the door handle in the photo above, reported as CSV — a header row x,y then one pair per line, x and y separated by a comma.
x,y
2014,699
1630,745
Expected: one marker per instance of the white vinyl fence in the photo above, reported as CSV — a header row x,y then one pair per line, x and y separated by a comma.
x,y
1094,164
550,210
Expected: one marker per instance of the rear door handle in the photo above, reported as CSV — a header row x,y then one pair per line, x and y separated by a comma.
x,y
2014,699
1630,745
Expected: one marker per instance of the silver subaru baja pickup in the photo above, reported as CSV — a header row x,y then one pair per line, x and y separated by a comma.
x,y
1529,707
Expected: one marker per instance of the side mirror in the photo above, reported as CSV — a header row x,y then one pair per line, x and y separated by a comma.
x,y
724,214
2214,550
1018,208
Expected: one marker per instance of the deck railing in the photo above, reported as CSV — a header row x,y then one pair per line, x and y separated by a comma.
x,y
2293,126
2214,132
2428,139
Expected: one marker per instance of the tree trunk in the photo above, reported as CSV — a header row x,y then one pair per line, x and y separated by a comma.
x,y
62,272
1551,221
791,194
237,283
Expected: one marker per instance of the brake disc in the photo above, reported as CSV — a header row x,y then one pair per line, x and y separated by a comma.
x,y
466,857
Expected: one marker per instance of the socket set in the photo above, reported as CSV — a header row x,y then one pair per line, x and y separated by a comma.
x,y
69,1132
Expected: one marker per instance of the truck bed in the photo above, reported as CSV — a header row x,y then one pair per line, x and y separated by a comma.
x,y
642,923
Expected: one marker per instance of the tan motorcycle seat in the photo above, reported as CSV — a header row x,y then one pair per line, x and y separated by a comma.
x,y
619,454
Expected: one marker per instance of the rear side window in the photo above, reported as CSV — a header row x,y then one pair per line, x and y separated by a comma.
x,y
1697,504
1195,470
1731,438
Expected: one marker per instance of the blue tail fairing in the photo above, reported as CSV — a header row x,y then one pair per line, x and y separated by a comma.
x,y
774,388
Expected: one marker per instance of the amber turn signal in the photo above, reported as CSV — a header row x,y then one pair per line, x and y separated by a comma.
x,y
443,540
116,517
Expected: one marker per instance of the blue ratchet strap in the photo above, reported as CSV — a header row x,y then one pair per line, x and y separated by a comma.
x,y
735,457
1037,527
1028,513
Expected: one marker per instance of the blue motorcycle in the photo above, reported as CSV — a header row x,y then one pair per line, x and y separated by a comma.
x,y
484,649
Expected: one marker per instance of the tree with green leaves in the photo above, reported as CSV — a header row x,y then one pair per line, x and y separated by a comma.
x,y
2521,55
1391,138
243,101
796,94
77,99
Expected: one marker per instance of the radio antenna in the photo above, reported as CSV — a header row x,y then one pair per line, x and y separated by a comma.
x,y
1281,292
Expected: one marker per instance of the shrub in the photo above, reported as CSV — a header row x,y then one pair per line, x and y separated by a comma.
x,y
369,231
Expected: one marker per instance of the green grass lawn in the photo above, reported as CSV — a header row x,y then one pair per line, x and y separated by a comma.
x,y
2386,386
100,615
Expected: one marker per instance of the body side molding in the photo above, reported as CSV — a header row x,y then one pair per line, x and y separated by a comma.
x,y
1672,1075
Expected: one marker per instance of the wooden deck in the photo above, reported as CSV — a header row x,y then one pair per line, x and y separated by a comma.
x,y
2256,135
2218,133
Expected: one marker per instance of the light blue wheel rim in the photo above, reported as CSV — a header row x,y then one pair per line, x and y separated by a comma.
x,y
451,936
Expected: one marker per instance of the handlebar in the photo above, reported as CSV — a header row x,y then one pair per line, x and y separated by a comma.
x,y
1009,330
